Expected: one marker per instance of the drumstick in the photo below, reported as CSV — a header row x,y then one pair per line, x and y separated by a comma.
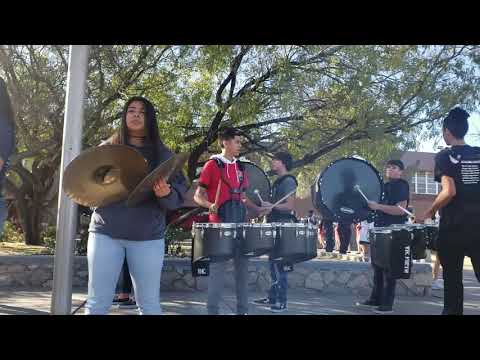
x,y
357,187
258,194
282,199
406,211
217,195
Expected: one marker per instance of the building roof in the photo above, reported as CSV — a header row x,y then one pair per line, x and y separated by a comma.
x,y
420,161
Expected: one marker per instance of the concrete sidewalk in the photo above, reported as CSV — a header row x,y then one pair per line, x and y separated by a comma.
x,y
301,302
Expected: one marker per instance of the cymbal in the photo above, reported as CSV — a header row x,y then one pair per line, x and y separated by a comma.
x,y
103,175
165,170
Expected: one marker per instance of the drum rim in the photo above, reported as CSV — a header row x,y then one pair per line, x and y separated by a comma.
x,y
243,162
291,225
384,229
318,181
216,225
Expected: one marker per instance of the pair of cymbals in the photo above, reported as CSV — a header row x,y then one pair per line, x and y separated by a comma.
x,y
110,173
144,190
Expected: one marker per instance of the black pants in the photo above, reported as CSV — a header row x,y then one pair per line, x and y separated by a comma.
x,y
329,237
453,244
383,292
344,233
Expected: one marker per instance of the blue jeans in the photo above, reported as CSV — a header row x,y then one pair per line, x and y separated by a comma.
x,y
278,290
3,213
216,282
105,260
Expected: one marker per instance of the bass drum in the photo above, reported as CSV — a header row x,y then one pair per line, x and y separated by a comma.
x,y
258,180
334,189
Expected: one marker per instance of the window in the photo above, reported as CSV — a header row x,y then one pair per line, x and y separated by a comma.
x,y
423,183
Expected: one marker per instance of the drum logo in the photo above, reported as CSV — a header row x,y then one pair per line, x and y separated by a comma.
x,y
268,233
346,210
406,267
201,271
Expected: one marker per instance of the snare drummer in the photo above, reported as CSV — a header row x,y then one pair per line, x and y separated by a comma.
x,y
458,170
283,185
397,193
224,175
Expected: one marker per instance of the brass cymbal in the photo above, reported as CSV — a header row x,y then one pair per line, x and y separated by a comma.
x,y
103,175
165,170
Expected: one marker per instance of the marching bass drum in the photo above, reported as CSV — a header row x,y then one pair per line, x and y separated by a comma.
x,y
258,181
335,189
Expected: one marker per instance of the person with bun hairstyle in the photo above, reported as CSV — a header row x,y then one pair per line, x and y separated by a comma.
x,y
457,168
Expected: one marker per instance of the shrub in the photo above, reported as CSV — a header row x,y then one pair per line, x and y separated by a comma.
x,y
11,233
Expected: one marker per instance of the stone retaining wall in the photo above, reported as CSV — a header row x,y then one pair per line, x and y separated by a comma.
x,y
328,276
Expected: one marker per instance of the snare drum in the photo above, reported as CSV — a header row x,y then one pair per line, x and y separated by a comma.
x,y
256,239
391,249
420,238
294,242
214,242
431,234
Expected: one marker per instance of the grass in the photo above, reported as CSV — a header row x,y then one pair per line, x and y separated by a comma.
x,y
19,248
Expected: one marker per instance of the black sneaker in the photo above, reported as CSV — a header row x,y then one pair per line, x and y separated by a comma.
x,y
279,308
264,301
130,304
383,310
118,301
367,304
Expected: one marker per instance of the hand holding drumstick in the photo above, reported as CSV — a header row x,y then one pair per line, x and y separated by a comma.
x,y
214,207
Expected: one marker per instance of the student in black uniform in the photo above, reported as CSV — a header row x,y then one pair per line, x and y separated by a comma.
x,y
283,185
397,192
458,170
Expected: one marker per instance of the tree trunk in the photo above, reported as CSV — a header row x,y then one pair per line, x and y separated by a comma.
x,y
29,216
35,229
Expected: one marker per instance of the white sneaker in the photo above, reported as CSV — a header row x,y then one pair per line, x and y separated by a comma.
x,y
437,284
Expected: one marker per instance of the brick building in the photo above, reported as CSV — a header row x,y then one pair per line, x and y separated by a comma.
x,y
419,167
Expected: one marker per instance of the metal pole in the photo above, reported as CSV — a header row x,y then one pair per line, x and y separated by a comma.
x,y
67,210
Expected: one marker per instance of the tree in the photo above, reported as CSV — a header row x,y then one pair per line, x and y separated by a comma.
x,y
323,96
318,102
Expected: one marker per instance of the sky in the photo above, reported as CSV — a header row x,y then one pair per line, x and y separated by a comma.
x,y
474,127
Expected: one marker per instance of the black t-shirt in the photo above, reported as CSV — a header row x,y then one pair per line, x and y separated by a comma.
x,y
396,191
281,187
462,164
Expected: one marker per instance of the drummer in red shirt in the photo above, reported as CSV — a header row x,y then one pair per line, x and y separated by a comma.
x,y
221,189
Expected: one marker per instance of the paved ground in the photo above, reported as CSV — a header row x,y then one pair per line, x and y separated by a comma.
x,y
301,302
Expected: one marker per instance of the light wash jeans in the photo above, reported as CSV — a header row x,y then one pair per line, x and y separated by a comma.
x,y
105,259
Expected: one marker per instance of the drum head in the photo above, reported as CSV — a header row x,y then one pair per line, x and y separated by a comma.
x,y
335,189
258,180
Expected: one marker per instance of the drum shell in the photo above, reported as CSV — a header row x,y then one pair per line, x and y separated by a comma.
x,y
256,239
432,237
419,241
293,243
391,251
214,243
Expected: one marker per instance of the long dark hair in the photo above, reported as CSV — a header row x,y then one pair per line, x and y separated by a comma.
x,y
6,109
152,137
